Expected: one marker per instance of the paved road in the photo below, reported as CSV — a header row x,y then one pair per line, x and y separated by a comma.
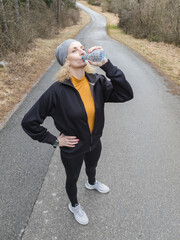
x,y
140,163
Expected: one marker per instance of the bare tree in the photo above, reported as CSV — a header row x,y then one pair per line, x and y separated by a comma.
x,y
16,11
27,5
21,21
3,19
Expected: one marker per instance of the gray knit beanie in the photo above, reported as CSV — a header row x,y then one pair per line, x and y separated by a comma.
x,y
62,51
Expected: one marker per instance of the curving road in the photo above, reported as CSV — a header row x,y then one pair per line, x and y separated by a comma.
x,y
140,162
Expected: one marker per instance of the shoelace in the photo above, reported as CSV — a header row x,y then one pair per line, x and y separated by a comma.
x,y
79,210
99,184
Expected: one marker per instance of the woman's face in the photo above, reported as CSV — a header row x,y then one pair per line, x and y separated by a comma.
x,y
75,52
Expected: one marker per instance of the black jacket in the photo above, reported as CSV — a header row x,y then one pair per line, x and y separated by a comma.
x,y
62,102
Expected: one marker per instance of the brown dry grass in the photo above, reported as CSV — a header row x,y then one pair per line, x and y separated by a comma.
x,y
165,56
24,69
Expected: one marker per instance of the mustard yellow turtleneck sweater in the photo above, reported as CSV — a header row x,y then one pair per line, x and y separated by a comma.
x,y
82,86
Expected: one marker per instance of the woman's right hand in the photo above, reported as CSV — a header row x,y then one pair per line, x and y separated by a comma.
x,y
67,141
99,64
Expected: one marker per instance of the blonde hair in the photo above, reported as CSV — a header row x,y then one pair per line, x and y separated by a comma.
x,y
64,72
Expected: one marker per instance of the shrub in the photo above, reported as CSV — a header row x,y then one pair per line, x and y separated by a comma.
x,y
95,2
39,21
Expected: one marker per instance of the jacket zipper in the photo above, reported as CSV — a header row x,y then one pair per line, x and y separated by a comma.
x,y
90,147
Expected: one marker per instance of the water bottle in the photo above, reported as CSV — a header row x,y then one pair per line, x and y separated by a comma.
x,y
98,55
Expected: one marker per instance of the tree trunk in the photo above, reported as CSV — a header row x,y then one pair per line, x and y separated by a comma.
x,y
140,12
4,25
27,5
58,11
16,11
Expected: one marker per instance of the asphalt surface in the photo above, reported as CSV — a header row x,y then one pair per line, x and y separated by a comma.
x,y
140,162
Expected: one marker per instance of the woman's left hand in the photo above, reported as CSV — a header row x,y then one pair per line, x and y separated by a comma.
x,y
99,64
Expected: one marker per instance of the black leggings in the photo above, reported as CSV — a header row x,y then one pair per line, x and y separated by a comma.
x,y
73,167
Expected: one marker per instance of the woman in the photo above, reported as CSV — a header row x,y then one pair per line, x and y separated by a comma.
x,y
76,104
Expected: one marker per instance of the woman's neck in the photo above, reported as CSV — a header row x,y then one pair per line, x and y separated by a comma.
x,y
77,73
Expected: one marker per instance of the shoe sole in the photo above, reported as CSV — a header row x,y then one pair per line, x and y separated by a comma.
x,y
75,218
90,188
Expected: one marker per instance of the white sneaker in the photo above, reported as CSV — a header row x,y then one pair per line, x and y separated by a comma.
x,y
100,187
79,214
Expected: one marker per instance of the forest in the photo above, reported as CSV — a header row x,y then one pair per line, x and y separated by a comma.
x,y
21,21
150,19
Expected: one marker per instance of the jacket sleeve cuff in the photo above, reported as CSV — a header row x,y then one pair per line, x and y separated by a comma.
x,y
108,66
50,139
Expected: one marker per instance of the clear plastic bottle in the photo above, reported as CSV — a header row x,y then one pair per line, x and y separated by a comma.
x,y
98,55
